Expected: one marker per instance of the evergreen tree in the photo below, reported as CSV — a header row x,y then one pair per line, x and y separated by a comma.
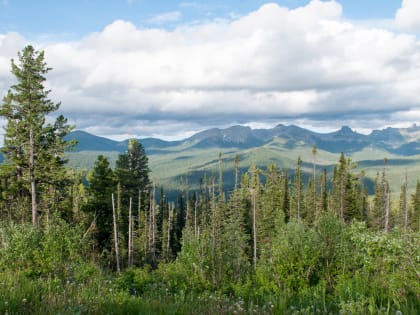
x,y
310,202
34,149
324,191
414,215
404,206
298,205
348,198
132,172
380,217
99,204
271,208
314,207
286,197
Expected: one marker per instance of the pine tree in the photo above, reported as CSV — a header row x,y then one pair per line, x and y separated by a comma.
x,y
132,171
414,216
381,203
348,198
271,208
286,197
324,191
314,209
298,207
255,191
310,202
404,205
100,189
34,149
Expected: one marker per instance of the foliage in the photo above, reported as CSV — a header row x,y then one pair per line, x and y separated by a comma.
x,y
58,251
33,148
99,204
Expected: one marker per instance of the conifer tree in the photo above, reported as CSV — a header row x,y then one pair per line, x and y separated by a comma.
x,y
271,208
324,191
33,148
404,205
286,197
414,216
132,171
255,190
314,186
381,203
310,202
298,196
100,189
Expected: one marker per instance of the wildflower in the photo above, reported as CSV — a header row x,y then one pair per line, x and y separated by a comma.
x,y
24,300
398,312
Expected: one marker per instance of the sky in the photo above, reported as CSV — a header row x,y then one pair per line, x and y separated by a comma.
x,y
168,69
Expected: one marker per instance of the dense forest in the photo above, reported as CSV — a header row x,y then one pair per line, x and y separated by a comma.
x,y
110,241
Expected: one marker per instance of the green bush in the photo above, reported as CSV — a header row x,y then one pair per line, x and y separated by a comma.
x,y
57,251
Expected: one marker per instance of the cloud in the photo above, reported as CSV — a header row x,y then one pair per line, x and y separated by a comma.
x,y
173,16
274,64
407,17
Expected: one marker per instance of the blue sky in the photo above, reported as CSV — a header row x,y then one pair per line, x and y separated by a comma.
x,y
141,68
75,18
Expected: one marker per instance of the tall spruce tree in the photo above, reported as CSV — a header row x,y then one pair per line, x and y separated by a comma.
x,y
33,148
101,186
414,216
132,173
298,204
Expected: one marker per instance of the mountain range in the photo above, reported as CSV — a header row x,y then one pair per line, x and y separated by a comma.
x,y
282,145
399,141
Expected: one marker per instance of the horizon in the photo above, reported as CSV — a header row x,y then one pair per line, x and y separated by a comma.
x,y
414,125
132,68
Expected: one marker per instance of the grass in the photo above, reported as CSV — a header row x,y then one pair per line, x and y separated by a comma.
x,y
22,295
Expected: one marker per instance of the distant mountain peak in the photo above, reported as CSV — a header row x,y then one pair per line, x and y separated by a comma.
x,y
346,130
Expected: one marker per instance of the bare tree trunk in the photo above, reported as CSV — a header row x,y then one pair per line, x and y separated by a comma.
x,y
406,203
188,222
195,214
152,228
236,162
213,213
387,210
168,246
342,198
254,226
114,219
130,235
32,178
220,175
119,203
314,152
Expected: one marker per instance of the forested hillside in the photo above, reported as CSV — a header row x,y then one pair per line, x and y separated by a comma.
x,y
306,241
281,145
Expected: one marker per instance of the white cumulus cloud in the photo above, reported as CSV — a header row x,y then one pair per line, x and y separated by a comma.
x,y
273,64
408,16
